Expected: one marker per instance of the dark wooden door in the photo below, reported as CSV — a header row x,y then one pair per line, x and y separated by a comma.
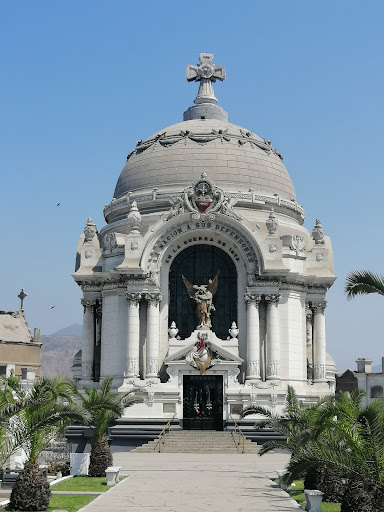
x,y
198,264
203,402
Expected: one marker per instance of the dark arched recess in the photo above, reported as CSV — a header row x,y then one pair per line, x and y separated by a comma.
x,y
198,264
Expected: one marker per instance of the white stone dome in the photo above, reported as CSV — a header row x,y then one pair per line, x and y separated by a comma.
x,y
233,157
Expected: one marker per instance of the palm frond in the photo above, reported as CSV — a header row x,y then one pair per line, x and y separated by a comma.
x,y
363,282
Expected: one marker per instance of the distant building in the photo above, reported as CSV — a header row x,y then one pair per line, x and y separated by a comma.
x,y
20,352
370,382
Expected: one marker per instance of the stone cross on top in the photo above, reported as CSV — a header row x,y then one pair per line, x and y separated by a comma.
x,y
22,296
205,73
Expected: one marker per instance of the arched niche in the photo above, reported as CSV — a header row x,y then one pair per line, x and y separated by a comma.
x,y
377,392
199,263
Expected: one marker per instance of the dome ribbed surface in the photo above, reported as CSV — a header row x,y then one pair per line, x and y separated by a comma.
x,y
233,157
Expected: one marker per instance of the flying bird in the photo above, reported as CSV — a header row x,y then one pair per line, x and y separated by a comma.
x,y
52,307
58,204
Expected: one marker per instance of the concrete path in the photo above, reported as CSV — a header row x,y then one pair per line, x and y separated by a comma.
x,y
172,482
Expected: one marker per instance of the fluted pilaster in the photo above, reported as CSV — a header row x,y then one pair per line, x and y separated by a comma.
x,y
153,333
133,335
273,337
253,336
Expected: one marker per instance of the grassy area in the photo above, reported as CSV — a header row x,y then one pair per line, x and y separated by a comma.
x,y
69,503
83,483
297,494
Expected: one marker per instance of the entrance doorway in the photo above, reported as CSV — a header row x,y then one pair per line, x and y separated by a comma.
x,y
203,402
198,264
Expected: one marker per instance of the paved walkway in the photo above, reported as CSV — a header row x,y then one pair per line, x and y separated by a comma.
x,y
172,482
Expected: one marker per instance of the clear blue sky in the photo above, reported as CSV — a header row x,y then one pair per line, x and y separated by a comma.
x,y
81,81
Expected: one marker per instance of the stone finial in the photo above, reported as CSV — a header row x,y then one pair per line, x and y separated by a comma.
x,y
134,219
206,73
318,233
173,330
90,230
272,222
22,296
233,331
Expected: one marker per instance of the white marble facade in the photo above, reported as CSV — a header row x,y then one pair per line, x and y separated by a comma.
x,y
283,271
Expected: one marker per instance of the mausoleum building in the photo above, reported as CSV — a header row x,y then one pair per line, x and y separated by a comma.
x,y
203,287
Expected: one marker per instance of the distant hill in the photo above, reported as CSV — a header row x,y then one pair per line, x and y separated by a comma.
x,y
72,330
57,353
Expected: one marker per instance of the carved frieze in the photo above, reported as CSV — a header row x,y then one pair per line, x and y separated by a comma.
x,y
253,369
152,365
273,368
110,242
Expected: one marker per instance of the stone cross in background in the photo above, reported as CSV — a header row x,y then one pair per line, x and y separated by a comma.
x,y
205,73
22,296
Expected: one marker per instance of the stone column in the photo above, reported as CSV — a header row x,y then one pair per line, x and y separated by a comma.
x,y
319,344
273,337
88,339
309,336
253,336
133,335
153,333
97,354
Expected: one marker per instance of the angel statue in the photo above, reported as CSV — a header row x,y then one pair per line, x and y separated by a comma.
x,y
202,295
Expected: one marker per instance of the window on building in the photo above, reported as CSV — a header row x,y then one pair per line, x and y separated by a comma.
x,y
377,392
3,370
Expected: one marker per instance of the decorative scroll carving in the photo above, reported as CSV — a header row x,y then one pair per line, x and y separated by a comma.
x,y
90,230
318,233
249,298
202,198
234,374
133,299
263,385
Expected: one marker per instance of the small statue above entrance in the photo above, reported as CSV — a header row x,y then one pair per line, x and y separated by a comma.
x,y
202,295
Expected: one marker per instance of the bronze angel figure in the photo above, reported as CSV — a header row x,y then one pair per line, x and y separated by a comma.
x,y
202,295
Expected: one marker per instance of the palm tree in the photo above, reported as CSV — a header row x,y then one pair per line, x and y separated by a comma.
x,y
103,406
347,440
31,419
294,423
363,282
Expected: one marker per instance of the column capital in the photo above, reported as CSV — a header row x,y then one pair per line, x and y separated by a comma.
x,y
250,299
272,298
319,306
88,303
133,298
153,298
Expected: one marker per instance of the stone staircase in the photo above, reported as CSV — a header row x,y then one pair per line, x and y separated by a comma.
x,y
197,441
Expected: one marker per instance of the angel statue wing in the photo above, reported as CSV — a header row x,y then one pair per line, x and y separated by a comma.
x,y
212,286
189,287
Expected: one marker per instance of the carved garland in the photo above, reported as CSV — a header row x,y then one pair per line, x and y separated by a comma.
x,y
245,137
